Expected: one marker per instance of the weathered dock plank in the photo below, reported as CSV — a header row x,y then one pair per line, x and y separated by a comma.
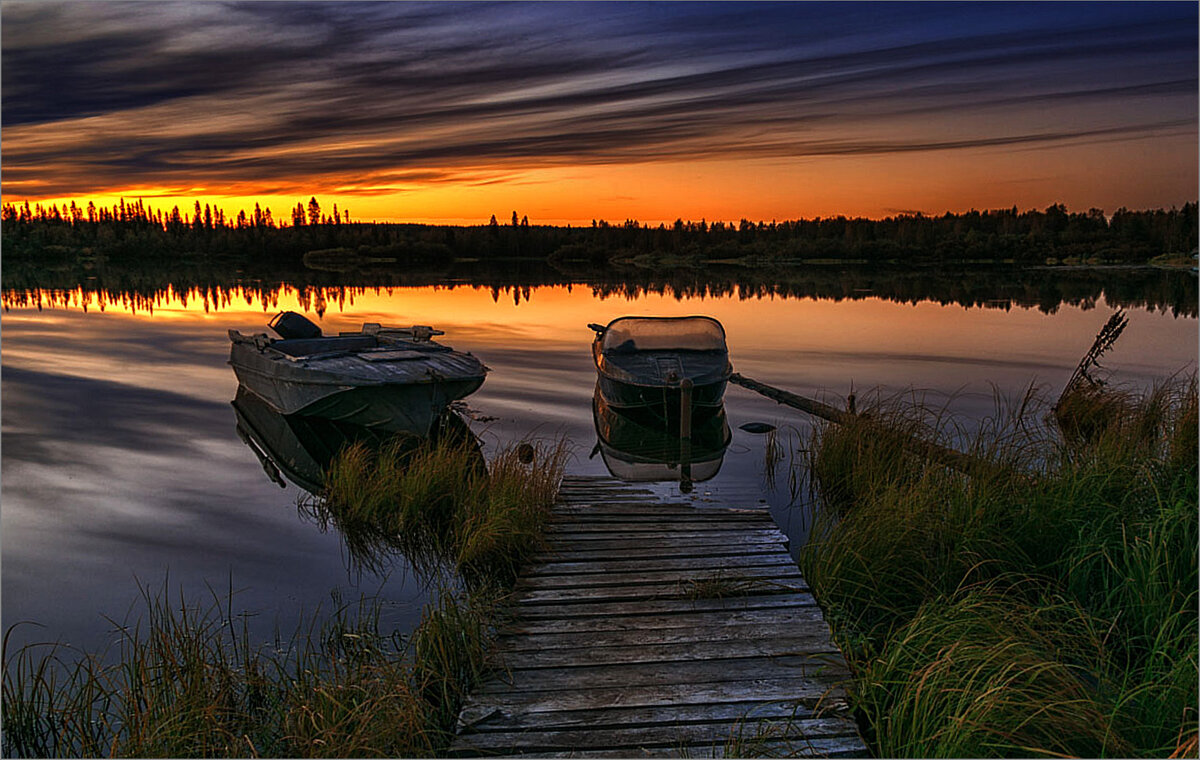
x,y
800,616
664,606
651,591
640,636
638,551
579,575
799,708
779,687
663,534
711,670
738,746
669,652
647,628
633,738
708,538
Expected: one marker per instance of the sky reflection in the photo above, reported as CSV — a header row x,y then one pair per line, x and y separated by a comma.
x,y
121,460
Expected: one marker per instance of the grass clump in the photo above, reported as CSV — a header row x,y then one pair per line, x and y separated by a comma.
x,y
1048,607
186,682
439,505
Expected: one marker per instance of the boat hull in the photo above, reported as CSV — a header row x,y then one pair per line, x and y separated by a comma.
x,y
406,395
650,379
663,400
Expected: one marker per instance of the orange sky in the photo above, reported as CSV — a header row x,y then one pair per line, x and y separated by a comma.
x,y
1106,176
566,113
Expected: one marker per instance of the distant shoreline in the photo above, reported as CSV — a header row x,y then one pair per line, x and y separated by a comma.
x,y
135,232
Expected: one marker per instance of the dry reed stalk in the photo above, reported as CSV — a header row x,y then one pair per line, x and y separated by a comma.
x,y
1091,360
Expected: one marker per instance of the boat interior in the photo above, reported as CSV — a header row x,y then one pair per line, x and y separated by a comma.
x,y
312,346
669,366
665,349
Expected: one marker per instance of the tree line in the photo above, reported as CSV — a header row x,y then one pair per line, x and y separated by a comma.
x,y
133,230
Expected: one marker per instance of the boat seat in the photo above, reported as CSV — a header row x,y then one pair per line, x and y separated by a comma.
x,y
310,346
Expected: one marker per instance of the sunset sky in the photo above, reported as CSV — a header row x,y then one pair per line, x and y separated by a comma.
x,y
450,113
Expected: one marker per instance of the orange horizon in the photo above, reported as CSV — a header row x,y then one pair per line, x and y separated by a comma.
x,y
281,211
1107,176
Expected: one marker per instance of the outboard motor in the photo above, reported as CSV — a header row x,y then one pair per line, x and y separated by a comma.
x,y
290,325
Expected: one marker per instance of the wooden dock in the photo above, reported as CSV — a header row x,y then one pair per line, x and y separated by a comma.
x,y
654,629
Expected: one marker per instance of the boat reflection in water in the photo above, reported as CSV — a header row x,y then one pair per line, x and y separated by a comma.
x,y
300,449
638,446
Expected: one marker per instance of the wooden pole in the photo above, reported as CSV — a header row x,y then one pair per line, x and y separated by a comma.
x,y
932,451
685,435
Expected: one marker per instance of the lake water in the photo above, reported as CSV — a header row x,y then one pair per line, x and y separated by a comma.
x,y
121,465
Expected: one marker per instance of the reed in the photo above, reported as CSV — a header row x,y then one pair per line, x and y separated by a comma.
x,y
983,673
440,506
1047,607
185,682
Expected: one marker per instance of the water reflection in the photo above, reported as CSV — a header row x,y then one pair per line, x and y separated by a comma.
x,y
296,447
639,446
222,287
301,447
121,460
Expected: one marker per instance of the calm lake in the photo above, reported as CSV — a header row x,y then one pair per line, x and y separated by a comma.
x,y
122,467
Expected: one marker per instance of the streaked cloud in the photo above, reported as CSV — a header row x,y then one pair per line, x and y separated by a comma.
x,y
261,98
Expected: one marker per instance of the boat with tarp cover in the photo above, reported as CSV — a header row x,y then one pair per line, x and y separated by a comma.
x,y
382,378
645,362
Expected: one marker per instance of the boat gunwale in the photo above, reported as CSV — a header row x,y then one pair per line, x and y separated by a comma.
x,y
308,378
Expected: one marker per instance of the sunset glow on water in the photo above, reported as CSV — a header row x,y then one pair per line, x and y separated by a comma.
x,y
157,384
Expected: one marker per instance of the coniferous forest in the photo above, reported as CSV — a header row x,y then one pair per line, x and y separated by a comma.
x,y
133,231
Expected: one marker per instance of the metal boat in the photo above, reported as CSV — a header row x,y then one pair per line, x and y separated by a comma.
x,y
382,378
300,448
638,447
655,363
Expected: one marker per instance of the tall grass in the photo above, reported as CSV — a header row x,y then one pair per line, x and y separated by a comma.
x,y
186,682
1047,608
439,507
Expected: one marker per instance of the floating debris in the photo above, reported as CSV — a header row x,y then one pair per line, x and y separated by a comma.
x,y
472,414
757,427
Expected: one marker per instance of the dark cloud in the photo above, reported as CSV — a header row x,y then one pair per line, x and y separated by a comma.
x,y
376,94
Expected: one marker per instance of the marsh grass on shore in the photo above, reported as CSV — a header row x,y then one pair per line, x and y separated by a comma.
x,y
188,681
1047,609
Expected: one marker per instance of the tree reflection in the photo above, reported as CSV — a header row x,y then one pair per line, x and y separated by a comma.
x,y
84,284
